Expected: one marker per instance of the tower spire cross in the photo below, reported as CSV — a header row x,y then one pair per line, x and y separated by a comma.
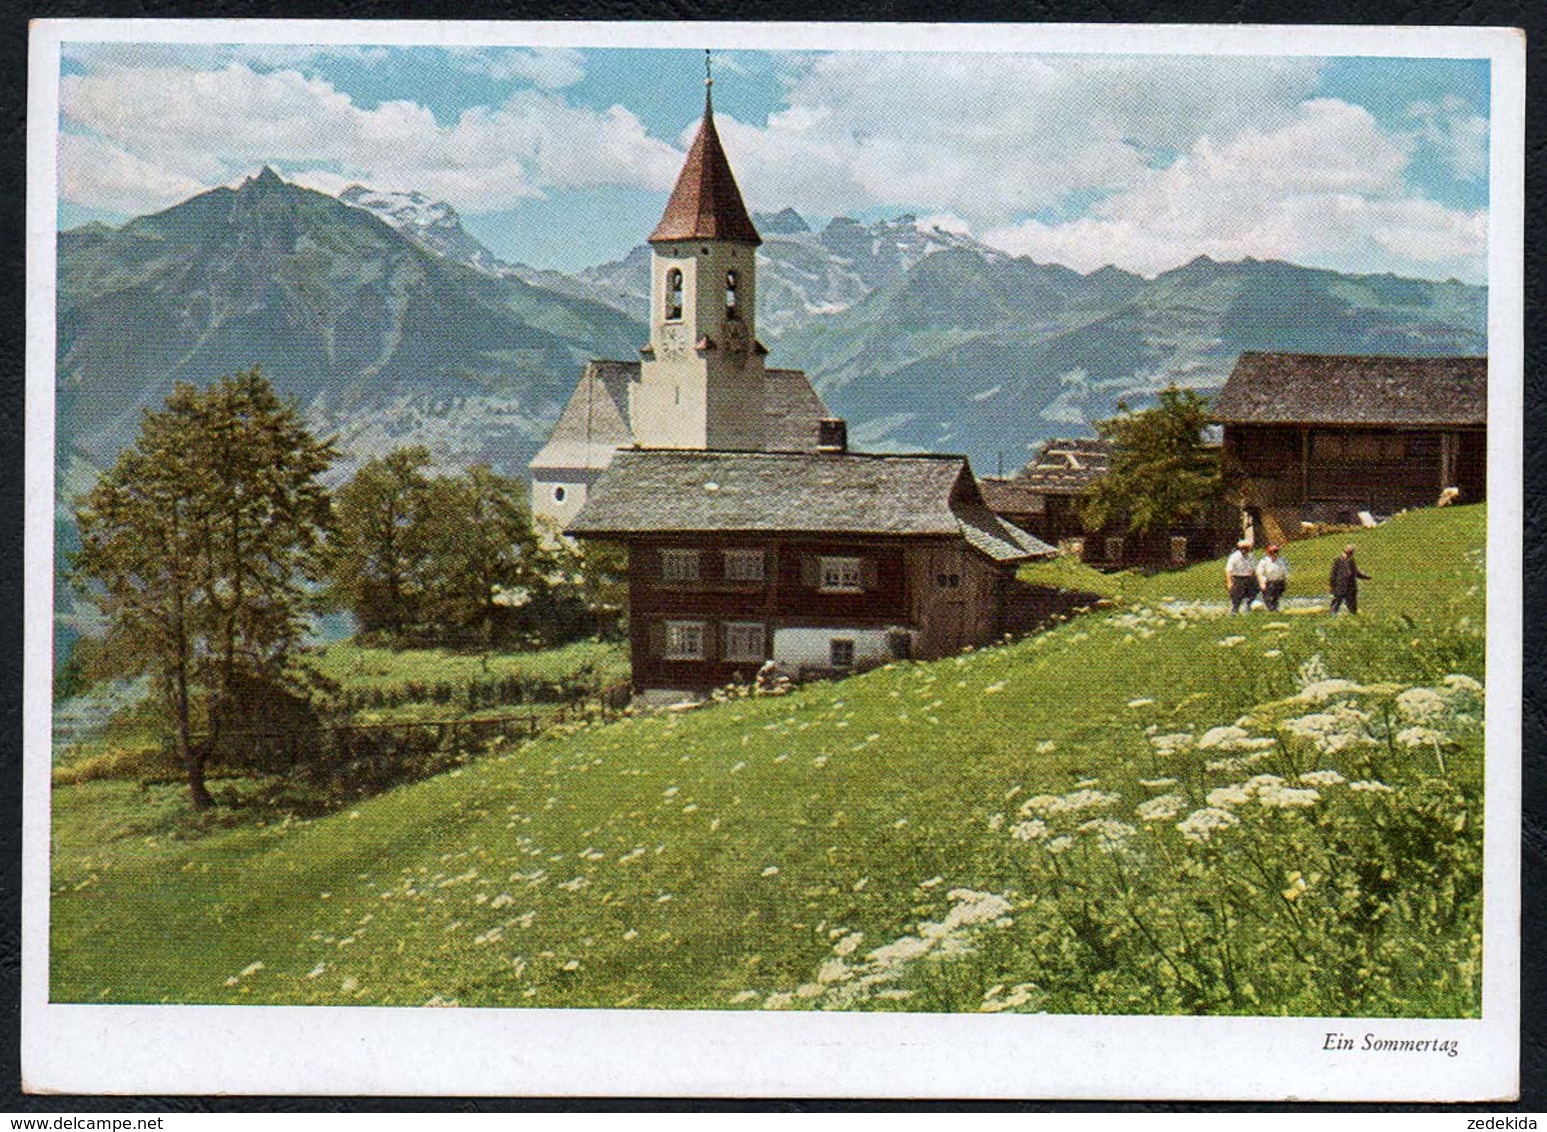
x,y
708,77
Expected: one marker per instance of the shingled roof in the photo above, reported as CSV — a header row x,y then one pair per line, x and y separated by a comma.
x,y
1011,497
706,204
595,423
1066,466
1324,389
659,491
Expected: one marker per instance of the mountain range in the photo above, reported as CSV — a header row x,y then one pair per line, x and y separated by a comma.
x,y
392,324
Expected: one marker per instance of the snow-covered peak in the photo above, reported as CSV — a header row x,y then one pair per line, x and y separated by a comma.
x,y
411,210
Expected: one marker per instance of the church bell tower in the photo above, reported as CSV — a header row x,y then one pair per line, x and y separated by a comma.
x,y
702,376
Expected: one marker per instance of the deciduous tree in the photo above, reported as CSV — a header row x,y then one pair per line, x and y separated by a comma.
x,y
198,544
1161,470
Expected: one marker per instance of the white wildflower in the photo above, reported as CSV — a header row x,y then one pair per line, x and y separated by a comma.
x,y
1320,691
1163,808
1229,642
1219,736
1049,805
1369,786
1323,778
848,943
1200,825
771,871
1172,743
1423,705
1236,764
1459,682
970,907
1060,845
1287,797
995,821
1334,730
1141,702
1046,747
1111,836
1035,829
1157,783
1422,737
833,971
1223,797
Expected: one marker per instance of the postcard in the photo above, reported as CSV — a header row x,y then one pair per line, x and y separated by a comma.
x,y
773,560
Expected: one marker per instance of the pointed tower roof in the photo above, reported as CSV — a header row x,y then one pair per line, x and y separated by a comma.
x,y
706,204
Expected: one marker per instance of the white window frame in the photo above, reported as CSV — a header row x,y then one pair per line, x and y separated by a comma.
x,y
832,648
743,565
841,575
751,654
680,636
680,564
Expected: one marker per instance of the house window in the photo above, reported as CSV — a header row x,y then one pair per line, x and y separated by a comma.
x,y
559,493
744,566
730,295
841,652
684,640
948,581
679,565
841,576
744,641
674,294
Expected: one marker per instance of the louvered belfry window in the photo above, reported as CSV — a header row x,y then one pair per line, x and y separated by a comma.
x,y
730,295
674,294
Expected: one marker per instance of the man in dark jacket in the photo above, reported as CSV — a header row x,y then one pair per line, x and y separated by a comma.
x,y
1345,581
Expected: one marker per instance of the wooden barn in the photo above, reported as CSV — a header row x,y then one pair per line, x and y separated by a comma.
x,y
1315,438
1042,499
826,563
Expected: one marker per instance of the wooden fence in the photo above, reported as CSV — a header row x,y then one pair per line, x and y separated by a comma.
x,y
394,751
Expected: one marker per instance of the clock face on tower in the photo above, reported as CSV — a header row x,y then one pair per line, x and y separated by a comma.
x,y
674,342
736,336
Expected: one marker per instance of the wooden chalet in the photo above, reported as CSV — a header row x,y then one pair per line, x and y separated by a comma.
x,y
1043,498
1313,438
825,563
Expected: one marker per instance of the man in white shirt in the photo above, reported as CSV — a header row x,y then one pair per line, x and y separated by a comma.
x,y
1273,577
1241,577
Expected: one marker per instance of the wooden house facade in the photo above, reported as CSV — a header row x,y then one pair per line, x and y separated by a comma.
x,y
1312,439
1043,499
826,563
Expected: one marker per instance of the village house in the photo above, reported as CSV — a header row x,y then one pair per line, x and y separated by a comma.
x,y
753,533
1312,439
824,562
1043,499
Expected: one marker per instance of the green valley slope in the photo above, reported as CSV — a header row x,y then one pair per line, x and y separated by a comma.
x,y
783,851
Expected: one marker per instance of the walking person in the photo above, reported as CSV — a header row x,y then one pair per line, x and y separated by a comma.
x,y
1273,577
1344,581
1241,577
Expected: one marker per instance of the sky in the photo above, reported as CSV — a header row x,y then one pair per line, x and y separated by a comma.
x,y
563,158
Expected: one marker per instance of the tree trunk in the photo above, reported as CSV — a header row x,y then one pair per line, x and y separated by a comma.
x,y
194,758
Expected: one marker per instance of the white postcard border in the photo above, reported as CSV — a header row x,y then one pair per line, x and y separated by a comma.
x,y
357,1050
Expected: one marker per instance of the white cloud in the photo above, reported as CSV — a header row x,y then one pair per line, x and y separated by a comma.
x,y
201,127
114,180
551,68
1325,188
1458,134
991,137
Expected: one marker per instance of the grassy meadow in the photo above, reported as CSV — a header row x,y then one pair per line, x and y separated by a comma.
x,y
1151,808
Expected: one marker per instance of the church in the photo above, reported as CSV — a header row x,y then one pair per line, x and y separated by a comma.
x,y
753,533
